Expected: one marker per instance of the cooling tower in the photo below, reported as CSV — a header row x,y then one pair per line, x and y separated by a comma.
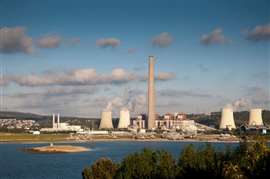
x,y
124,120
227,120
106,120
255,117
151,94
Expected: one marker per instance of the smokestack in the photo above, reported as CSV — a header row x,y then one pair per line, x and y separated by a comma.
x,y
255,117
151,93
227,120
53,121
58,120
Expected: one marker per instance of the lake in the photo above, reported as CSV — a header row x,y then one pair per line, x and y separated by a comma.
x,y
17,164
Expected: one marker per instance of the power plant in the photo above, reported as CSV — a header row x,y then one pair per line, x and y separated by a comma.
x,y
106,120
151,93
58,126
255,117
124,119
227,119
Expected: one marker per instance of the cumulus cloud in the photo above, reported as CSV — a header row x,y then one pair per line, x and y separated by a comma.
x,y
14,40
81,77
74,77
259,33
183,93
50,41
214,37
108,42
66,100
165,76
162,40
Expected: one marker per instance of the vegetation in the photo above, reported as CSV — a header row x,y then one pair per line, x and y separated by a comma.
x,y
25,137
249,160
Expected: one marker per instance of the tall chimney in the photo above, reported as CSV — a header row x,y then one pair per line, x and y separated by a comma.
x,y
53,121
58,120
151,93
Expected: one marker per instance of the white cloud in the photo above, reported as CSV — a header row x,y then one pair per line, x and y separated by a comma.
x,y
259,33
183,93
162,40
50,41
165,76
108,42
14,40
214,37
82,77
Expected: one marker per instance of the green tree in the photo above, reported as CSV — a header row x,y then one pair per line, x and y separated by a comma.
x,y
148,164
194,163
165,165
102,169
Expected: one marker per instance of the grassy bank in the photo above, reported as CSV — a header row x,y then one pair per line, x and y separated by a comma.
x,y
25,137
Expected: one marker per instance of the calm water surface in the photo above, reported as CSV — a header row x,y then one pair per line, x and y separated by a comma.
x,y
16,164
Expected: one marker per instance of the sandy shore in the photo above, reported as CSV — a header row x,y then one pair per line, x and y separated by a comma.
x,y
59,149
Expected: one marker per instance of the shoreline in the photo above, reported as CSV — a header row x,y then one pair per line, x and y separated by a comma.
x,y
118,140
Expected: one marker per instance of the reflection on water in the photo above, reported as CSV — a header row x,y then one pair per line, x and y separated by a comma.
x,y
16,164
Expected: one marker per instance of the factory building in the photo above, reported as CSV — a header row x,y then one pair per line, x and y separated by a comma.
x,y
61,126
227,119
124,119
106,120
171,121
139,122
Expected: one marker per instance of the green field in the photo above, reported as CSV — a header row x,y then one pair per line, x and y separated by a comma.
x,y
24,137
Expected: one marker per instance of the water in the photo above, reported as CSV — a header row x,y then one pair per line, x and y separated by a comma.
x,y
16,164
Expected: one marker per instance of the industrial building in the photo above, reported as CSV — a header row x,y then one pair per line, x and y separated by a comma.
x,y
170,121
139,122
61,127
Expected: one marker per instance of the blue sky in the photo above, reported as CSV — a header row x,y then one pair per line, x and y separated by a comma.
x,y
209,54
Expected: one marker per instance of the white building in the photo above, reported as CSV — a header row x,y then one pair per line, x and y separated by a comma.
x,y
61,127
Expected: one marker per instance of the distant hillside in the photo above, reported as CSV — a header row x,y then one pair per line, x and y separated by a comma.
x,y
45,120
21,115
209,120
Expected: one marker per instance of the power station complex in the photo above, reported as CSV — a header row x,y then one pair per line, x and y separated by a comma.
x,y
152,121
177,121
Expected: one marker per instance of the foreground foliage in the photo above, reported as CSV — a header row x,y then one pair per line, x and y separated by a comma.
x,y
249,160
